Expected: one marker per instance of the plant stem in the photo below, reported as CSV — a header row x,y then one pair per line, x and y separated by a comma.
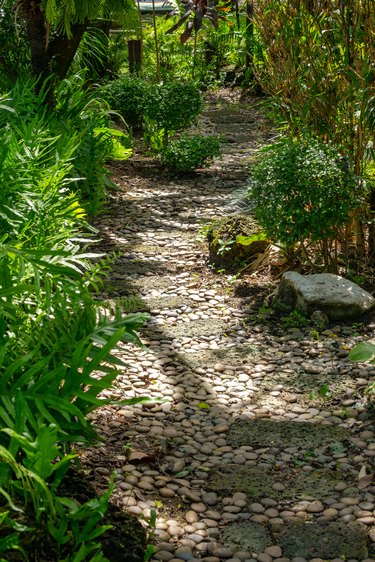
x,y
156,42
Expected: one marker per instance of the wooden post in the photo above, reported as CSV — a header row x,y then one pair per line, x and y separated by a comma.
x,y
135,56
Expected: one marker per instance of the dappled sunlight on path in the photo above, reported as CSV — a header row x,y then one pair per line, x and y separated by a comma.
x,y
244,461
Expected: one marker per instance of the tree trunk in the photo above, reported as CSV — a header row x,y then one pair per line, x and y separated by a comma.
x,y
61,50
38,38
50,56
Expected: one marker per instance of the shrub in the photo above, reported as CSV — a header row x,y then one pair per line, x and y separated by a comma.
x,y
302,190
127,96
190,152
82,114
172,106
79,131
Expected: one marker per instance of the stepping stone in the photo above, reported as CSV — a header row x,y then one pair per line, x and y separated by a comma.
x,y
311,540
324,540
246,536
192,329
236,355
291,483
338,382
166,302
269,433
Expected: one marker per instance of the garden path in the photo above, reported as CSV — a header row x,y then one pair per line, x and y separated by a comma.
x,y
256,454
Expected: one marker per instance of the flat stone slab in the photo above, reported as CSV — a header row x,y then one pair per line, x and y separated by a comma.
x,y
190,329
338,382
241,355
270,433
324,540
338,298
248,536
311,540
259,482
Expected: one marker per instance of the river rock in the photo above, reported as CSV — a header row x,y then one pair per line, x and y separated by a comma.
x,y
338,298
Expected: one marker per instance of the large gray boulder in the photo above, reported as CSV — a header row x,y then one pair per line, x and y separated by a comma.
x,y
338,298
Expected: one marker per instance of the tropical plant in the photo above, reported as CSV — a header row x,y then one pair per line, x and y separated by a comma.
x,y
190,152
195,12
54,29
54,334
71,530
302,191
79,132
58,344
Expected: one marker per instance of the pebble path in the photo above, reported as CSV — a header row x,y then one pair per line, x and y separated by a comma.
x,y
248,459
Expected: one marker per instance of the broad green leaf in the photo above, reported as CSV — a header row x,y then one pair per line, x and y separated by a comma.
x,y
10,542
203,406
363,351
247,240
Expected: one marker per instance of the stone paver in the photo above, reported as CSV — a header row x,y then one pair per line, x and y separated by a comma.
x,y
244,461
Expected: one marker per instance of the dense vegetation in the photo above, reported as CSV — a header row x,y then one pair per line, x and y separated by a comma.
x,y
63,75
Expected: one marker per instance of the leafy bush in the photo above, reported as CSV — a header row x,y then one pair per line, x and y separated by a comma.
x,y
162,109
302,190
190,152
53,333
78,130
172,106
84,115
127,96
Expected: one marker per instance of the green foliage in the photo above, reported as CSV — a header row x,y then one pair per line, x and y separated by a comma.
x,y
317,65
248,240
364,352
14,52
302,190
86,116
57,342
127,96
172,106
205,60
165,107
295,319
75,528
74,141
190,152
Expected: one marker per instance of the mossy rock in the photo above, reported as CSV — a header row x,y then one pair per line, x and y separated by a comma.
x,y
225,250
